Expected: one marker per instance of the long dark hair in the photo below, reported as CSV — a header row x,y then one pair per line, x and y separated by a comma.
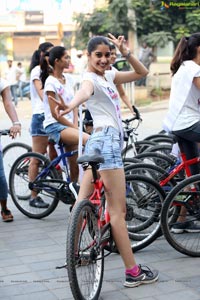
x,y
47,65
35,59
185,50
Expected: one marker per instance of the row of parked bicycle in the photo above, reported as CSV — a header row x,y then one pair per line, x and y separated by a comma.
x,y
162,196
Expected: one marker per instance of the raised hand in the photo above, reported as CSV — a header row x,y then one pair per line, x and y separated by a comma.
x,y
61,108
118,42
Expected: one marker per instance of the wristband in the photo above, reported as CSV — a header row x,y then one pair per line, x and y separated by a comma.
x,y
16,123
128,54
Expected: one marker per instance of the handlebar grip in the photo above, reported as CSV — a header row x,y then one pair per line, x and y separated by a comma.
x,y
137,113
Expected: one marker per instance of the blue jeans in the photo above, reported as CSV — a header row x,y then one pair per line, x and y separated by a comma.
x,y
13,89
3,182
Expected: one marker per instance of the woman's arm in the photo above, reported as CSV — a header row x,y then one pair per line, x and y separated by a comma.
x,y
10,110
38,86
139,69
60,117
81,96
196,81
124,97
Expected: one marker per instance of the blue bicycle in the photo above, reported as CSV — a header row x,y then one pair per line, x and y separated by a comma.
x,y
52,183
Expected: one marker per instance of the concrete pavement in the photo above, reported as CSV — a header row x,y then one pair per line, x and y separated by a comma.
x,y
31,249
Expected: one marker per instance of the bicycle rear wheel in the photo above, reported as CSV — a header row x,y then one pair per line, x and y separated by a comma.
x,y
19,185
85,257
184,195
144,198
10,153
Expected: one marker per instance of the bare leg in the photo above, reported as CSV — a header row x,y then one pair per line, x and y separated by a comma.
x,y
114,184
39,145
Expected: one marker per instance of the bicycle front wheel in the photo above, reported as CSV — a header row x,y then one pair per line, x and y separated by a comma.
x,y
183,201
19,185
85,258
10,153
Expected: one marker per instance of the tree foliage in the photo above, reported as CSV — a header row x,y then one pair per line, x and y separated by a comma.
x,y
113,18
153,23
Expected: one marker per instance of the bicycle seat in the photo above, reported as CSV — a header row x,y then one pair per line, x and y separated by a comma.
x,y
96,158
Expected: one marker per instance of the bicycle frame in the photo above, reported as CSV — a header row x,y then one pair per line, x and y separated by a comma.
x,y
55,163
184,165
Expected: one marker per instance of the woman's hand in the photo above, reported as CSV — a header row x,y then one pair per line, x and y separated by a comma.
x,y
61,108
14,130
119,43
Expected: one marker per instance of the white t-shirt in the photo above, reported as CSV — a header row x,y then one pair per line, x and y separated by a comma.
x,y
66,90
36,102
183,109
190,112
104,104
11,75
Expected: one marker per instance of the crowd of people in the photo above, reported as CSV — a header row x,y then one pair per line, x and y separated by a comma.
x,y
54,115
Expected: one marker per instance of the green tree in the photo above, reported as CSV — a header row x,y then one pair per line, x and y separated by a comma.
x,y
113,18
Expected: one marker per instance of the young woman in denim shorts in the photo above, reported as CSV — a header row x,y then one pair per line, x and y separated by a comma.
x,y
58,83
98,90
39,136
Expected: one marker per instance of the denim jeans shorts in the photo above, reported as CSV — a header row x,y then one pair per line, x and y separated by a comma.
x,y
3,182
107,143
37,128
53,131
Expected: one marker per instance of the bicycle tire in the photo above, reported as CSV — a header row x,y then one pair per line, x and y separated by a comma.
x,y
138,147
158,136
164,149
186,243
19,186
144,198
10,153
85,283
160,159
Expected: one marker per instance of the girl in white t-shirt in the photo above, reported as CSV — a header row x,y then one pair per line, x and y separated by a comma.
x,y
183,117
56,83
38,134
99,91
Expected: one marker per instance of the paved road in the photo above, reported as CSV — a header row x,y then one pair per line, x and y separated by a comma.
x,y
31,249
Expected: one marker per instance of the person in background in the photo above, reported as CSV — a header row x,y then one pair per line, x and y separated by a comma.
x,y
21,77
39,135
14,130
146,57
183,118
56,83
70,69
98,90
11,75
80,63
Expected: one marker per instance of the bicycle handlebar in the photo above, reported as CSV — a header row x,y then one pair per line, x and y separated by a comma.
x,y
5,132
136,117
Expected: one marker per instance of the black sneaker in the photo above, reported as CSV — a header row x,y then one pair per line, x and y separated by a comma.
x,y
38,203
145,276
188,226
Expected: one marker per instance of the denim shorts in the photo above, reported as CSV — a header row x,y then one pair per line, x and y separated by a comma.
x,y
53,131
37,128
107,143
